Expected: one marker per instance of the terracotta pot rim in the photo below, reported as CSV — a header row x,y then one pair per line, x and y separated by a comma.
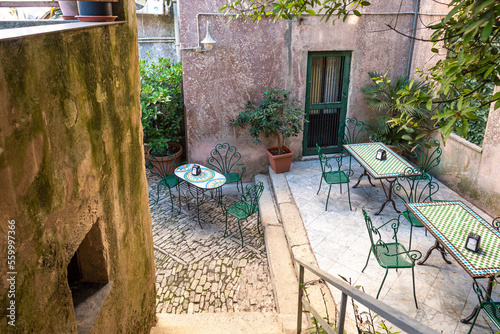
x,y
290,152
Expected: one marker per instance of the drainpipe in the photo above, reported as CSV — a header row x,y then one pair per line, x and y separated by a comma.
x,y
412,40
175,8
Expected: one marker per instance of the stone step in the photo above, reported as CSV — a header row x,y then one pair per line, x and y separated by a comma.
x,y
219,323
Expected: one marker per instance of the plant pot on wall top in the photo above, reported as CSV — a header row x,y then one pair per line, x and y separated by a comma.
x,y
95,11
69,9
280,163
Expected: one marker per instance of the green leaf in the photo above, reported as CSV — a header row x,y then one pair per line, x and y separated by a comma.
x,y
435,50
311,12
357,13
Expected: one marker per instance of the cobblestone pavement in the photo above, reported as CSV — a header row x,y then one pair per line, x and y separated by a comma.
x,y
198,270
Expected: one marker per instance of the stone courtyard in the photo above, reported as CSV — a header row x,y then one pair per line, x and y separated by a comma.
x,y
197,269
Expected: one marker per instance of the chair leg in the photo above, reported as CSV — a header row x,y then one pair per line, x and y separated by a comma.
x,y
171,199
241,233
474,320
413,278
381,285
320,182
326,206
157,193
411,232
340,184
367,259
349,196
226,227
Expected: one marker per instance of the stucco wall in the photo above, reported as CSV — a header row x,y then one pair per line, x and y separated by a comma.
x,y
70,157
157,36
252,57
473,171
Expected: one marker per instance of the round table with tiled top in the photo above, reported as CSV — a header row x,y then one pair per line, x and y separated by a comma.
x,y
208,179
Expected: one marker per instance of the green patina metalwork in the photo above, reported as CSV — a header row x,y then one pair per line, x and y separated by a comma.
x,y
414,189
333,176
223,158
489,307
391,255
246,206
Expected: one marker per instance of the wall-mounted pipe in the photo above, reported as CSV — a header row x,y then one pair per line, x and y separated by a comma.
x,y
412,39
199,48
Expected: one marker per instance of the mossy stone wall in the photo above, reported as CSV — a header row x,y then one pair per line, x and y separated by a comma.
x,y
71,157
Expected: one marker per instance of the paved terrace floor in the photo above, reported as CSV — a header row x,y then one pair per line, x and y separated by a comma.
x,y
197,269
340,242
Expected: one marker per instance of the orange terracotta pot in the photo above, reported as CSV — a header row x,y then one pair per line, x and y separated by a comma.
x,y
280,163
167,160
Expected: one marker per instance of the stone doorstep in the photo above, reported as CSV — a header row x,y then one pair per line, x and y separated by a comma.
x,y
298,243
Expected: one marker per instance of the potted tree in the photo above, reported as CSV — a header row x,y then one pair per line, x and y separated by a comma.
x,y
277,115
162,108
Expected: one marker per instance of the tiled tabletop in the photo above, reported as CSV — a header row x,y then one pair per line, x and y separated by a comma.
x,y
450,223
208,179
394,165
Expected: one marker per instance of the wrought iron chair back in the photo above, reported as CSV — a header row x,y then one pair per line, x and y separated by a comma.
x,y
391,255
414,189
374,234
224,158
333,174
164,168
246,206
354,131
489,307
427,154
496,223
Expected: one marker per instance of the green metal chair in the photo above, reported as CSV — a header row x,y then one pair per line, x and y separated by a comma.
x,y
427,154
489,307
390,255
355,132
163,167
414,189
496,223
223,158
333,176
246,206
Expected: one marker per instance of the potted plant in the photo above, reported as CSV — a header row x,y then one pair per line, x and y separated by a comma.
x,y
277,115
406,106
162,106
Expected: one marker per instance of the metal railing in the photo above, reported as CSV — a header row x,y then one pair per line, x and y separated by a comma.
x,y
401,320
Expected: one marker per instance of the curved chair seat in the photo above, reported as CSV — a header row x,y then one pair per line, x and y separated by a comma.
x,y
393,255
491,309
240,210
336,177
412,219
232,177
170,181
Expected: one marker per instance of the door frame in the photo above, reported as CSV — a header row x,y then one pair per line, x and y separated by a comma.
x,y
342,105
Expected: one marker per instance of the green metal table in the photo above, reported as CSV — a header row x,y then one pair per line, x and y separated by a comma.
x,y
450,223
389,169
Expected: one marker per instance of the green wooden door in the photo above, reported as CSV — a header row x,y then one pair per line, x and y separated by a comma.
x,y
326,100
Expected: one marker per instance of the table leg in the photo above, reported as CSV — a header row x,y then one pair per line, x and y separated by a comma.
x,y
471,316
361,176
437,246
198,206
388,195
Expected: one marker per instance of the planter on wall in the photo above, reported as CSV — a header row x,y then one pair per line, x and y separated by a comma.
x,y
171,161
69,9
280,163
95,11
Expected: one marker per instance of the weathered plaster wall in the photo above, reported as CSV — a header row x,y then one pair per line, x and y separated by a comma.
x,y
70,157
252,57
472,171
157,36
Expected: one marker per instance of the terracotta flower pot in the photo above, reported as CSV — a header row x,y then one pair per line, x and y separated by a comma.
x,y
280,163
69,9
171,160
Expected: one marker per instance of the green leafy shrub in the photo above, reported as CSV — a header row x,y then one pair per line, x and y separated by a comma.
x,y
277,115
162,102
405,109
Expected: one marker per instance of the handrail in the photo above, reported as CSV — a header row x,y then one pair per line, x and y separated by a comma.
x,y
387,312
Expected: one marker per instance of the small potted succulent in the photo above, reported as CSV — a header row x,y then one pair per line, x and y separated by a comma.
x,y
277,115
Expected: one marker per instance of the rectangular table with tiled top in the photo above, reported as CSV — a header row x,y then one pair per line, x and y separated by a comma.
x,y
208,179
450,223
388,169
